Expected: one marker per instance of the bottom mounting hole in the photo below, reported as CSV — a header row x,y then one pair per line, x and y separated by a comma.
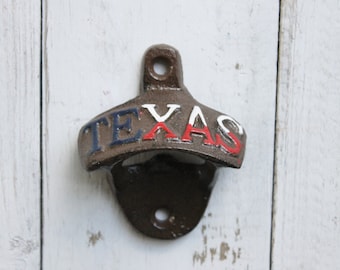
x,y
162,214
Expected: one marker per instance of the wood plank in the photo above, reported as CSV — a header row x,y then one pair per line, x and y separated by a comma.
x,y
93,52
19,136
307,198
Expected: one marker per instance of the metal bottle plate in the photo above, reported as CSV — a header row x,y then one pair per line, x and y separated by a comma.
x,y
162,149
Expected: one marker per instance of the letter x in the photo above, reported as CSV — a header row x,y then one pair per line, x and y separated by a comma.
x,y
160,121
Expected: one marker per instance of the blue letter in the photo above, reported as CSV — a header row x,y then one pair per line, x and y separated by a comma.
x,y
126,125
93,126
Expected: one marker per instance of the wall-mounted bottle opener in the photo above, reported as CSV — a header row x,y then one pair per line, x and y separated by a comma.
x,y
162,149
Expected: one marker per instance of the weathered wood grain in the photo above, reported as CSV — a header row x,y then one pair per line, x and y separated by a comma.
x,y
307,198
92,58
19,135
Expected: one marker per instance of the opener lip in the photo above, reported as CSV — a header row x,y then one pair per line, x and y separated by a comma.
x,y
163,182
96,164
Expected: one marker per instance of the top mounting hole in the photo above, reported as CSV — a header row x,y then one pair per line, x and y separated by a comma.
x,y
161,66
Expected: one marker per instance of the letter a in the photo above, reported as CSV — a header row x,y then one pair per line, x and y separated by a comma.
x,y
196,111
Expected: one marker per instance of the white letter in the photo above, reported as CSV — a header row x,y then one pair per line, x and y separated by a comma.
x,y
224,129
196,111
156,116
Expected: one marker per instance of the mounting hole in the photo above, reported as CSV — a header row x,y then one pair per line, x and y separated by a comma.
x,y
162,214
161,66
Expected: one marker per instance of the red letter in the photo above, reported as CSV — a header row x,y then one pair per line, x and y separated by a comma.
x,y
160,121
232,150
196,111
152,133
226,132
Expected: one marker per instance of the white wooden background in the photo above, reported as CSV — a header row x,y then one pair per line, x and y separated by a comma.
x,y
273,66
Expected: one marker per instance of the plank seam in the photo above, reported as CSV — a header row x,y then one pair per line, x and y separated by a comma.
x,y
274,187
41,68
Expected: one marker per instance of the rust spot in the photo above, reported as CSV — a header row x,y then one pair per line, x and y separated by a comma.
x,y
205,240
236,255
213,252
200,257
224,249
94,237
237,233
237,230
204,227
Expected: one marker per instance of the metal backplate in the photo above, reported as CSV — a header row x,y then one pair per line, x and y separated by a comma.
x,y
177,191
167,123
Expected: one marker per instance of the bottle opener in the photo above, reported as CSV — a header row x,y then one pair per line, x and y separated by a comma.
x,y
162,149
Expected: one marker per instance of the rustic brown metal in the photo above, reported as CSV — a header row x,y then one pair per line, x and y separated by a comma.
x,y
162,149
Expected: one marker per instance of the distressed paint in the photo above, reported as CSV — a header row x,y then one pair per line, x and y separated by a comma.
x,y
92,61
306,229
90,50
19,135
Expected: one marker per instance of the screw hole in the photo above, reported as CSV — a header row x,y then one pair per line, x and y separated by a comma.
x,y
161,66
162,214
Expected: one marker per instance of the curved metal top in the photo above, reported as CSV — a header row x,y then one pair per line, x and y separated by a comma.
x,y
163,117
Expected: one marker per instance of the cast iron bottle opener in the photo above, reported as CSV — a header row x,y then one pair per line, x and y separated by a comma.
x,y
162,149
